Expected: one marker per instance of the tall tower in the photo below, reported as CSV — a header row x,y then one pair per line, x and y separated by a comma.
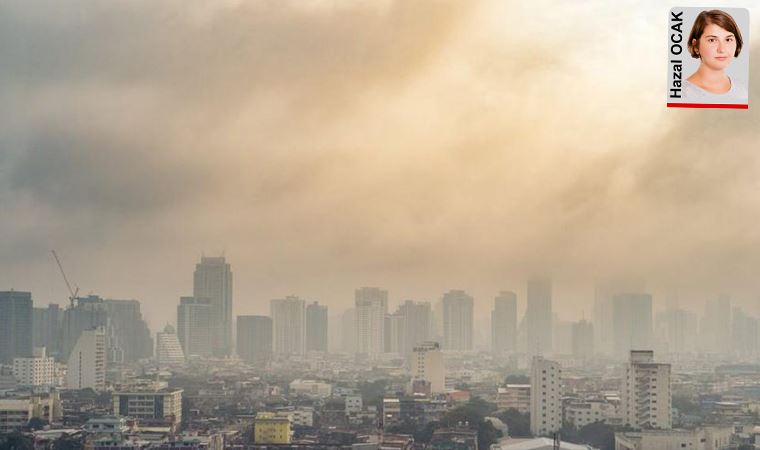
x,y
254,339
193,319
457,321
371,308
645,394
86,366
213,280
15,325
632,321
416,325
583,339
504,323
316,327
538,317
288,324
545,397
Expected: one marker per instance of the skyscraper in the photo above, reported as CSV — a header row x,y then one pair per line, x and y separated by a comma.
x,y
545,397
457,321
46,328
371,307
645,400
86,366
538,317
129,329
316,327
15,325
583,339
213,280
416,325
632,321
254,339
193,319
504,323
288,324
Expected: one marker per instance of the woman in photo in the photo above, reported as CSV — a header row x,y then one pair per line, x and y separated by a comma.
x,y
715,40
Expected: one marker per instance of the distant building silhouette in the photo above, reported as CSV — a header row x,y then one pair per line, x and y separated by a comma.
x,y
538,316
457,321
15,325
316,327
193,321
289,325
504,323
371,308
254,339
213,280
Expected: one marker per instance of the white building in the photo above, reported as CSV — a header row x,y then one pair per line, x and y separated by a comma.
x,y
708,438
426,363
86,367
371,309
39,370
149,405
289,325
168,347
545,397
645,397
193,326
311,388
353,404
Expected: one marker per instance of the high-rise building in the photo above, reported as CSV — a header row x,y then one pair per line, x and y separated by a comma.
x,y
583,339
715,328
645,398
129,329
316,328
371,307
193,319
213,280
632,321
394,333
457,321
15,325
86,313
744,333
168,348
416,322
38,370
86,366
545,397
348,331
680,330
254,339
538,316
604,328
288,325
46,328
504,323
426,364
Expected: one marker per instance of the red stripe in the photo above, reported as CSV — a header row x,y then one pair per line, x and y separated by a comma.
x,y
707,105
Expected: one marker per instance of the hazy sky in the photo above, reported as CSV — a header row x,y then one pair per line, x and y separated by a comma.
x,y
326,145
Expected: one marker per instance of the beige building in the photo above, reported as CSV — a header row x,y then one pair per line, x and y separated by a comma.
x,y
16,412
645,395
514,396
426,363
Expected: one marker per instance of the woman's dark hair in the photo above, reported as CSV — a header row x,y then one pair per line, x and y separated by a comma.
x,y
715,17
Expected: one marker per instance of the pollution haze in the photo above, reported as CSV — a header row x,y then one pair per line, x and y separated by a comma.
x,y
326,145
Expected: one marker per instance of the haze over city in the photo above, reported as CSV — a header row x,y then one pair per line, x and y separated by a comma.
x,y
324,146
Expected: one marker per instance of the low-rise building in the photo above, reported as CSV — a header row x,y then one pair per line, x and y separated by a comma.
x,y
708,438
269,428
150,406
514,396
15,413
311,388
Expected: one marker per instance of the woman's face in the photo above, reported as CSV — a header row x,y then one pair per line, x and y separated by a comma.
x,y
717,47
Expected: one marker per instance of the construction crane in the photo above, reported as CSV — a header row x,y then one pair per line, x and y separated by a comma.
x,y
72,292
